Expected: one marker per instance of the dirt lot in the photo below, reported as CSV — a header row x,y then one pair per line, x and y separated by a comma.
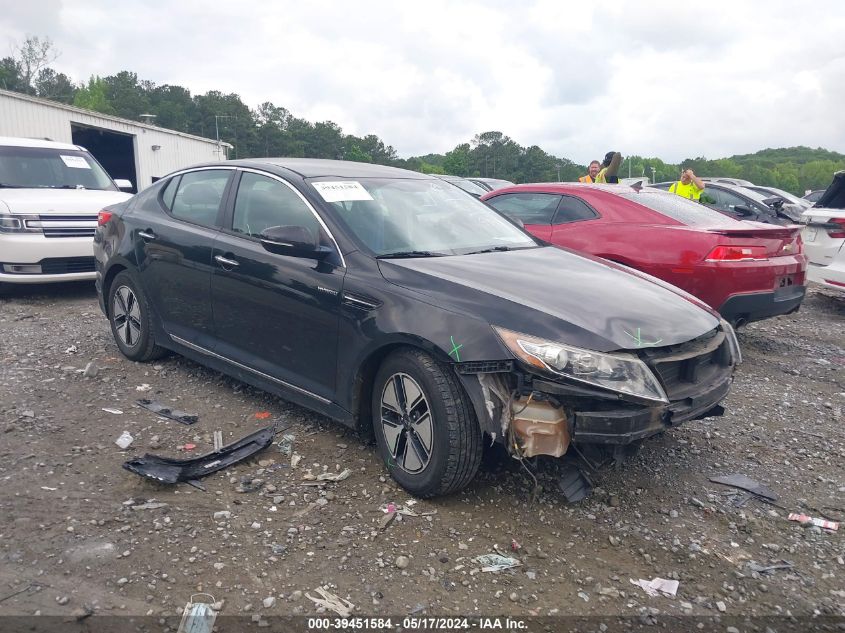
x,y
74,532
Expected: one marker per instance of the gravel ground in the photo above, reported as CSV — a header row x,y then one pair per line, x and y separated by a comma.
x,y
77,531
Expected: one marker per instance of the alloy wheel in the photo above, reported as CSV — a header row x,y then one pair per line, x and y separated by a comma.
x,y
127,316
406,423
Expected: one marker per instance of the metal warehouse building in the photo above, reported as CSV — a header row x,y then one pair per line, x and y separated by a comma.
x,y
139,152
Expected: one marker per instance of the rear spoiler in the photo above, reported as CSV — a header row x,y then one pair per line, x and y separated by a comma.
x,y
768,231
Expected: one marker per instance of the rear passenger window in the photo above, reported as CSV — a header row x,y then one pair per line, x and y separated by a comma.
x,y
531,208
264,202
170,192
573,209
198,196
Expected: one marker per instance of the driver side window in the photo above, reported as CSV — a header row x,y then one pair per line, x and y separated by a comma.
x,y
263,202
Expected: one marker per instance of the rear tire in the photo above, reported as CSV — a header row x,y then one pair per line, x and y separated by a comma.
x,y
129,316
424,424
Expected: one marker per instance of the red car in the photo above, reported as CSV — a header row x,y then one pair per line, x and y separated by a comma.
x,y
746,270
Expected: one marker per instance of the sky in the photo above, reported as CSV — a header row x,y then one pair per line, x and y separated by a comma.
x,y
668,79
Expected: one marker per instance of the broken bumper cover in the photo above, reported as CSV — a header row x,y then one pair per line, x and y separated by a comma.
x,y
171,471
625,425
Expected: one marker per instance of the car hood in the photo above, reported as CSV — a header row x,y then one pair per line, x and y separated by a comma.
x,y
834,195
59,201
558,295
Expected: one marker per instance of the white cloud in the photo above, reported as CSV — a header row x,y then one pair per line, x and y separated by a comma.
x,y
576,78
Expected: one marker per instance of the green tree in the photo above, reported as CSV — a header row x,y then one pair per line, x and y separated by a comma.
x,y
56,86
93,96
457,162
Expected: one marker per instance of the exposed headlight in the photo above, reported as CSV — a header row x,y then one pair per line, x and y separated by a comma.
x,y
623,373
733,342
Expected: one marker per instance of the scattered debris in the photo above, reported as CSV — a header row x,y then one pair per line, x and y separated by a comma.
x,y
188,447
386,520
198,617
262,415
149,506
332,602
822,523
656,586
286,444
90,370
223,514
765,569
172,471
574,484
405,509
113,411
143,387
344,474
80,613
125,440
72,349
218,440
745,483
166,412
515,546
402,562
496,562
295,459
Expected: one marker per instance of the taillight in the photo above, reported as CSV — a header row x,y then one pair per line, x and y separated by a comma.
x,y
103,217
838,232
736,253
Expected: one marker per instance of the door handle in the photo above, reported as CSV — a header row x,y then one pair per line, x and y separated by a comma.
x,y
147,235
223,261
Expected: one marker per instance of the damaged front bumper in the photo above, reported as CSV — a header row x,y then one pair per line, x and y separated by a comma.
x,y
536,414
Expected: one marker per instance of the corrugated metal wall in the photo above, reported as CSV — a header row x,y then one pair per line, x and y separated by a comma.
x,y
25,116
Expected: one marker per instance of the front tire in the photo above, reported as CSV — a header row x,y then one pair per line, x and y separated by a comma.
x,y
129,316
424,424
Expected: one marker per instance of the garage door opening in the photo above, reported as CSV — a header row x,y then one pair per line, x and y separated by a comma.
x,y
114,151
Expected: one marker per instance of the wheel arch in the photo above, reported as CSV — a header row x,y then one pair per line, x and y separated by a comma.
x,y
113,271
362,384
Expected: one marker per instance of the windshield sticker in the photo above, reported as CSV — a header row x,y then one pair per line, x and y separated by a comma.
x,y
77,162
342,191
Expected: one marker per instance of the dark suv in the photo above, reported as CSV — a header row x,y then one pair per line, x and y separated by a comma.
x,y
397,304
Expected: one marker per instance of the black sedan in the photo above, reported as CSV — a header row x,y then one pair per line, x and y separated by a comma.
x,y
398,305
743,203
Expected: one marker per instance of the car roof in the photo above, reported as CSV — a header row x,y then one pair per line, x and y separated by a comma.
x,y
14,141
321,167
566,186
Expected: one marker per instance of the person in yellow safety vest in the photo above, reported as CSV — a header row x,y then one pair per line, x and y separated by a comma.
x,y
592,172
689,186
609,168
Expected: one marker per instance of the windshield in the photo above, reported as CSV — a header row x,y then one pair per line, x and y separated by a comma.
x,y
678,208
768,192
467,185
418,217
44,167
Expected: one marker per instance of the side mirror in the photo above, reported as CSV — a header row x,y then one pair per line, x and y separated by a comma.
x,y
743,210
774,202
123,184
294,241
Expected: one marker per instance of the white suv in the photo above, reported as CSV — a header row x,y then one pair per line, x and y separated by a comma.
x,y
50,194
824,236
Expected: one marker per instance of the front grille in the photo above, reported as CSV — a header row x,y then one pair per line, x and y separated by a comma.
x,y
65,225
687,369
65,265
484,367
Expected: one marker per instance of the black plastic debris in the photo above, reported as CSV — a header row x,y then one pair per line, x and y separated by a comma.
x,y
745,483
573,483
171,471
174,414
